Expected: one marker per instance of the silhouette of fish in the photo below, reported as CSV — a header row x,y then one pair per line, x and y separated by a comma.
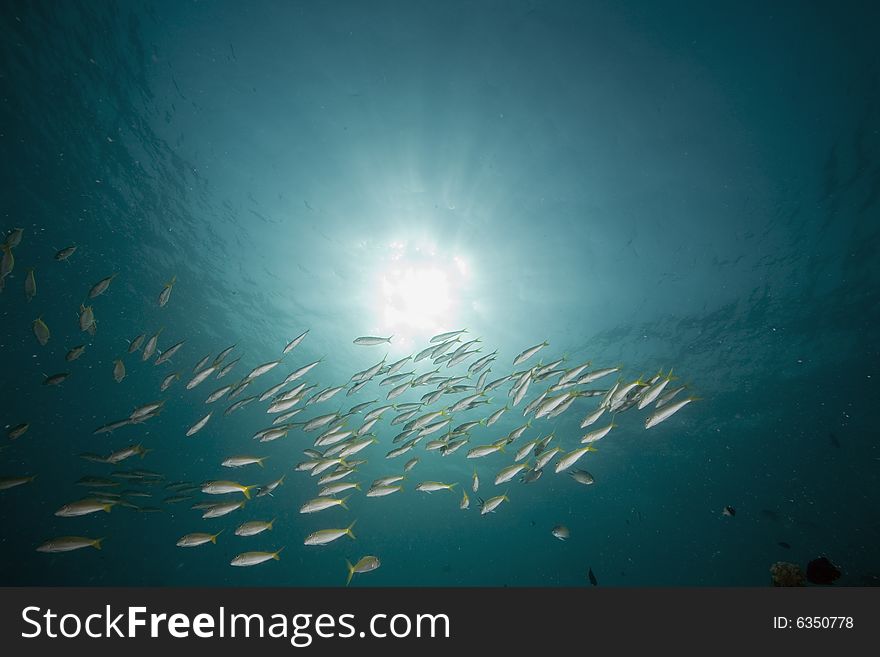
x,y
822,571
592,577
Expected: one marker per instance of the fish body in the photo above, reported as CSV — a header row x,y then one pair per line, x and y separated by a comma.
x,y
561,532
661,414
324,536
41,331
198,426
84,507
432,486
196,539
489,506
69,543
254,558
364,565
118,370
254,527
219,510
165,294
101,286
168,354
369,341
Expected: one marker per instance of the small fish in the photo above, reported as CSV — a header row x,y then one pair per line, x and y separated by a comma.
x,y
489,506
224,487
369,341
84,507
592,577
382,491
295,342
30,285
168,354
18,430
118,370
465,500
321,503
254,558
443,337
259,370
41,331
545,457
135,344
409,465
268,489
56,379
218,510
65,253
528,353
241,461
86,317
101,286
572,457
254,527
150,347
7,264
364,565
822,571
198,538
582,477
333,489
508,473
11,482
165,294
561,532
667,411
324,536
168,380
201,376
475,482
531,476
75,353
432,486
596,434
14,237
198,426
484,450
69,543
125,453
728,511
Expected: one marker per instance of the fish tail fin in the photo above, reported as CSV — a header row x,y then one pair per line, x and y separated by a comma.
x,y
214,537
107,506
389,338
271,524
97,542
453,485
342,502
247,491
350,572
276,553
260,461
350,527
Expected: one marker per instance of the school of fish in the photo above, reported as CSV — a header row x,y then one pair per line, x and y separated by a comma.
x,y
452,368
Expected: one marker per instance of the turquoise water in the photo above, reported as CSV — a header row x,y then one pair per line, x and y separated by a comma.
x,y
685,186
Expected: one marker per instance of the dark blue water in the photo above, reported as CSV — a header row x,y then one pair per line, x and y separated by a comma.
x,y
683,186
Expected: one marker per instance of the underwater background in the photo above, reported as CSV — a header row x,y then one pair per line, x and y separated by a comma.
x,y
685,185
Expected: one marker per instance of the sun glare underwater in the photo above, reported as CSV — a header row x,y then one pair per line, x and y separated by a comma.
x,y
439,294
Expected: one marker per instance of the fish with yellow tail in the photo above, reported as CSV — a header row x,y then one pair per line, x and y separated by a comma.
x,y
325,536
255,558
364,565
